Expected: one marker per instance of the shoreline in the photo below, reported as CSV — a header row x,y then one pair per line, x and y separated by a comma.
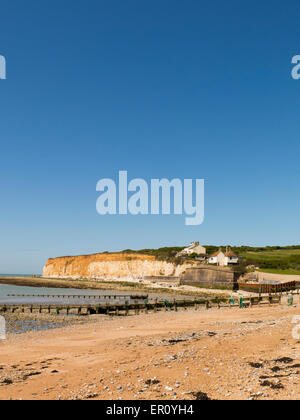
x,y
48,282
142,286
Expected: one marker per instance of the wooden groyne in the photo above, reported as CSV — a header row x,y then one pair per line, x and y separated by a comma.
x,y
99,297
108,308
127,308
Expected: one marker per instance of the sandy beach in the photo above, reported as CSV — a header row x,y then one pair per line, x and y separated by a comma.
x,y
216,354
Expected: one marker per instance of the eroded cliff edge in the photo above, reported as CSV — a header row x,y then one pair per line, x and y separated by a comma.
x,y
110,266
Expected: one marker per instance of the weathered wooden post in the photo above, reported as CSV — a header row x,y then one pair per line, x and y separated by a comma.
x,y
31,309
207,304
146,306
290,299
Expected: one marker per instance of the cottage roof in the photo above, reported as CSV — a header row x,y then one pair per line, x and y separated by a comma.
x,y
216,253
230,254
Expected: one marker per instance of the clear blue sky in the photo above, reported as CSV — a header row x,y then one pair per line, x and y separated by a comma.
x,y
188,89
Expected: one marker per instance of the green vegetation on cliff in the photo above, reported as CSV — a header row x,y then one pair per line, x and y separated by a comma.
x,y
273,258
161,254
278,259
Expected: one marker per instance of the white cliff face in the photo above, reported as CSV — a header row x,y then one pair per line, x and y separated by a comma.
x,y
132,269
111,266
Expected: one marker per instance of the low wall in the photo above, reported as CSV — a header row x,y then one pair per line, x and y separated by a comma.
x,y
206,276
267,288
163,279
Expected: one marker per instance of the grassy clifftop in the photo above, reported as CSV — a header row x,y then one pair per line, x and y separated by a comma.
x,y
160,254
275,259
285,260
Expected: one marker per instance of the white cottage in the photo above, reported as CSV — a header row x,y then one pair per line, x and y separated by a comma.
x,y
223,259
193,248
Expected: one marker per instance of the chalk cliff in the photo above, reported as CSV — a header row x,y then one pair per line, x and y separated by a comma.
x,y
110,266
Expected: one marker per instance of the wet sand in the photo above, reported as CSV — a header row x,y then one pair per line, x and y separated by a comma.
x,y
19,323
57,283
